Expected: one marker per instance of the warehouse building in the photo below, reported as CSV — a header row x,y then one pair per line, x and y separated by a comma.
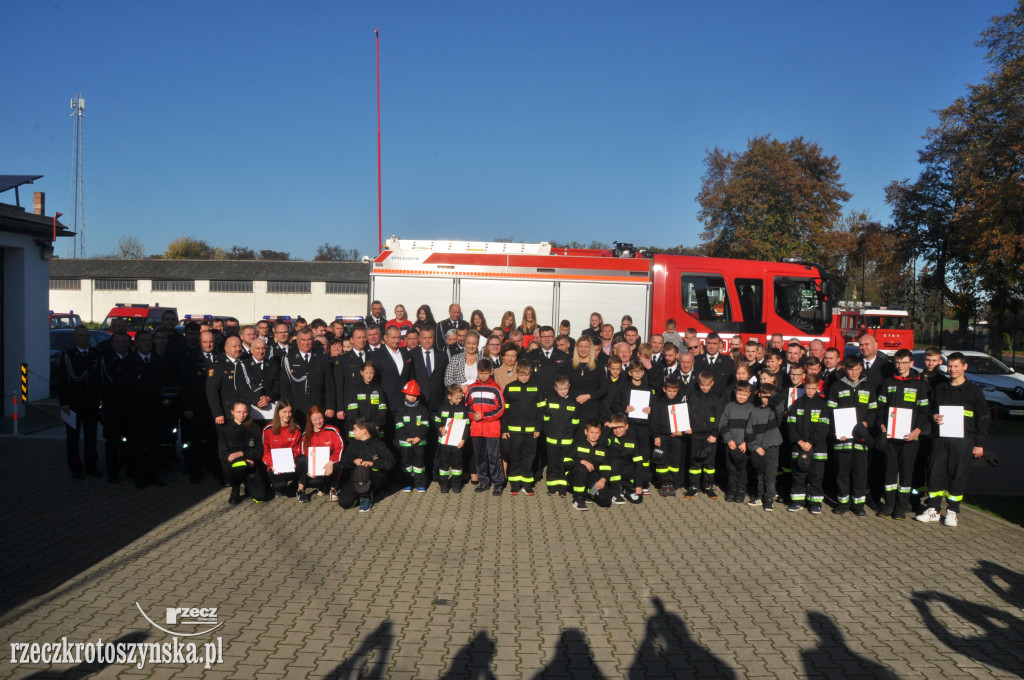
x,y
247,290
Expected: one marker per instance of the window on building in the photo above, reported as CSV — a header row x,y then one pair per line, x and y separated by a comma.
x,y
219,286
116,284
65,284
347,288
288,286
160,284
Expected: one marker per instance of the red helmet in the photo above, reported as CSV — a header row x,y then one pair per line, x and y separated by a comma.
x,y
412,387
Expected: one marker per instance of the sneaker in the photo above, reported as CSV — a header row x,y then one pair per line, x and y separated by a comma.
x,y
365,505
663,491
529,491
514,492
795,507
647,492
498,490
562,493
950,520
859,511
406,489
815,508
929,515
883,511
636,497
457,489
671,491
234,498
482,488
841,509
690,492
303,498
421,489
617,499
729,495
711,493
899,513
334,496
769,506
754,502
580,504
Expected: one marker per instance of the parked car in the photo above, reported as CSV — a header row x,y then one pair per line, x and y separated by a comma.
x,y
62,339
1003,387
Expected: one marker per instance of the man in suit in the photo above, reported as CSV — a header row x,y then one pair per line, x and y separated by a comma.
x,y
453,322
74,379
717,364
145,411
306,378
198,433
347,368
428,368
261,376
114,384
394,367
377,317
830,367
280,345
225,382
877,365
547,362
670,357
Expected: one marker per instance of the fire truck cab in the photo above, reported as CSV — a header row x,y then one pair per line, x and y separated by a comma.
x,y
139,316
891,327
732,297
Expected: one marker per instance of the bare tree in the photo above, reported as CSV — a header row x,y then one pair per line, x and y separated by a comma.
x,y
130,248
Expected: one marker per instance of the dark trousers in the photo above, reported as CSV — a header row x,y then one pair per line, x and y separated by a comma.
x,y
449,466
284,482
736,467
556,466
522,454
766,467
947,472
670,471
581,480
144,447
701,466
488,461
85,424
324,482
851,466
808,477
413,464
900,460
347,496
115,440
254,477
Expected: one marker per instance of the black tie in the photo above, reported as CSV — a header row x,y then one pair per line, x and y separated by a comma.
x,y
146,360
430,369
361,356
686,380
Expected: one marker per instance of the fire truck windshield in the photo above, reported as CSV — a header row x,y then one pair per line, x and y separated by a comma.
x,y
896,323
799,302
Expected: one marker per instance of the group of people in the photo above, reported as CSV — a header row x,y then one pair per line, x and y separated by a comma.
x,y
347,411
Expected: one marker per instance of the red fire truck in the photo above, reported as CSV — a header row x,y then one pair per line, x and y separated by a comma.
x,y
732,297
891,327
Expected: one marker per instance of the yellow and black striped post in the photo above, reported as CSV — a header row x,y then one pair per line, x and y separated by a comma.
x,y
24,383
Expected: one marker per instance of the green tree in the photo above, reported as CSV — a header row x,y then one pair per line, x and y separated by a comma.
x,y
239,253
189,248
274,255
775,199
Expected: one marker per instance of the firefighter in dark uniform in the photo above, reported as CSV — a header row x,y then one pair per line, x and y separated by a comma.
x,y
306,378
903,390
856,392
560,424
261,376
199,433
74,376
594,471
547,362
521,426
113,384
240,449
225,381
146,412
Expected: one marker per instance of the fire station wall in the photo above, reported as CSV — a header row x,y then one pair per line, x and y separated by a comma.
x,y
93,305
25,335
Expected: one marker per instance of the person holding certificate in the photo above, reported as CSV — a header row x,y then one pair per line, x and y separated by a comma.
x,y
670,427
452,423
282,451
322,446
959,410
854,408
904,412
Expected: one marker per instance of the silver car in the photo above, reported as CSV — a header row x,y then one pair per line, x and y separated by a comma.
x,y
1003,387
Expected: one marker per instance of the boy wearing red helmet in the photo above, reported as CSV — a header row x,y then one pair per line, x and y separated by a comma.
x,y
412,421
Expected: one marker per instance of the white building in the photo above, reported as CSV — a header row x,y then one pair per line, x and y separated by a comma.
x,y
26,246
247,290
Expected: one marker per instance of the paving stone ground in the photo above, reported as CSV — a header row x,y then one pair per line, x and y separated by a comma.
x,y
469,586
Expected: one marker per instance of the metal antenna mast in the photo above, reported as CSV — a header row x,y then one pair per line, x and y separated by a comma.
x,y
76,202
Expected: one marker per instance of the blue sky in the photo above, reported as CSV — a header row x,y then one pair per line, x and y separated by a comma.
x,y
255,123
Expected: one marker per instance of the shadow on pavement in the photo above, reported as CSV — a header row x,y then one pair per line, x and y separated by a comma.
x,y
370,660
56,527
833,658
573,659
999,641
473,661
668,650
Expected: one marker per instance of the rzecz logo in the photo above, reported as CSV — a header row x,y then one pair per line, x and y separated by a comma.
x,y
188,617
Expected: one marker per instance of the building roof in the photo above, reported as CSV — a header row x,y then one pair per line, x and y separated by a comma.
x,y
15,220
224,270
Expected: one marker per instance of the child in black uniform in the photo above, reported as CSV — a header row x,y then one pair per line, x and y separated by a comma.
x,y
450,455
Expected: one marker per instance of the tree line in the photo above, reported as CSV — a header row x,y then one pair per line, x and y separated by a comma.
x,y
191,248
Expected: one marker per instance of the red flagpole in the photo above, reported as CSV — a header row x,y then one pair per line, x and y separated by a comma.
x,y
55,225
380,218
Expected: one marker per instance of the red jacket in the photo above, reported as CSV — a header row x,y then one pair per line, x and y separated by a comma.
x,y
285,439
485,398
328,436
